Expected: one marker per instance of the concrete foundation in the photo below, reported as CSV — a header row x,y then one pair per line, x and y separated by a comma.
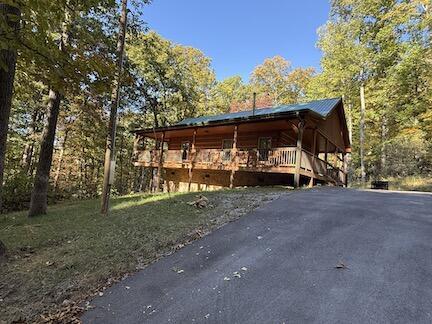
x,y
178,179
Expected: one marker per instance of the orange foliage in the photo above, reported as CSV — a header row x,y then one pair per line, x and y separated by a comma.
x,y
262,101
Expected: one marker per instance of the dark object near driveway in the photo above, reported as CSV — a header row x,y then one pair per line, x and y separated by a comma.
x,y
379,185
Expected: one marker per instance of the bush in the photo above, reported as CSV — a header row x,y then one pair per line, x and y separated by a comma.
x,y
17,192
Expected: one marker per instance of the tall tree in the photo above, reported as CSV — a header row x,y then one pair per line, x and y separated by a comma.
x,y
38,202
276,77
115,100
174,81
383,45
9,25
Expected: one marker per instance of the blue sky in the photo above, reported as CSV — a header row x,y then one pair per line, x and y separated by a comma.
x,y
239,34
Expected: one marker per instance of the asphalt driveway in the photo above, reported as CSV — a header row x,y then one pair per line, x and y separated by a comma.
x,y
278,265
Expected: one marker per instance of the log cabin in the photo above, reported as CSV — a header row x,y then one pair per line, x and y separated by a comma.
x,y
300,144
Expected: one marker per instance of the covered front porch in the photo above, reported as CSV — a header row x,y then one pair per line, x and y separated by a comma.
x,y
295,146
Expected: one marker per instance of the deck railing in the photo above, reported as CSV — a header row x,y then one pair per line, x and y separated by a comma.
x,y
246,158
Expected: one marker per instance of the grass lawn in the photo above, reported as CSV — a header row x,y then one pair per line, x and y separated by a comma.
x,y
57,261
410,183
404,184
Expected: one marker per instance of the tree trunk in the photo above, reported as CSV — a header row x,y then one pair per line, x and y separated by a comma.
x,y
348,160
384,131
60,161
38,202
362,134
121,191
28,153
39,199
115,100
8,58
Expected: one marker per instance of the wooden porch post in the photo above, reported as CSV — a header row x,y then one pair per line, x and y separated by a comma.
x,y
300,129
326,150
160,162
311,181
192,159
345,168
234,157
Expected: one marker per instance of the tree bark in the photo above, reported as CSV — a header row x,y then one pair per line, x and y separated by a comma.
x,y
38,202
8,57
110,145
362,133
39,199
60,161
384,131
349,171
28,153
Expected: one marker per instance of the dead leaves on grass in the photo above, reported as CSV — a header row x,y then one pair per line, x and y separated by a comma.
x,y
69,314
200,202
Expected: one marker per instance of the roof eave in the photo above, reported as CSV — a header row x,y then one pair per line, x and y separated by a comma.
x,y
229,121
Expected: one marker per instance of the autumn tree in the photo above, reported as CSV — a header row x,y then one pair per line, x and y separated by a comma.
x,y
384,48
276,77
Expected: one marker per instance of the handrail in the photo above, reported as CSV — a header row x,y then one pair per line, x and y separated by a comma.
x,y
246,158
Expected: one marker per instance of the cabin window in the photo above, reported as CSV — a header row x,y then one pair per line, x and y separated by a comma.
x,y
185,147
264,147
227,145
140,143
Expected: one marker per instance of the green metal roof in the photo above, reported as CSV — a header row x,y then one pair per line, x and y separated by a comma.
x,y
321,107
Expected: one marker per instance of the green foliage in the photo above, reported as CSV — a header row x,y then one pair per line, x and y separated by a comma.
x,y
16,192
385,45
174,80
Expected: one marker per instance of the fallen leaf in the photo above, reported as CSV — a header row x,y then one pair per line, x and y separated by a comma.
x,y
243,269
341,265
227,279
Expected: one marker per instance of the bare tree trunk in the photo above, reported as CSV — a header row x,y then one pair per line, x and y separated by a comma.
x,y
362,133
8,58
383,152
110,145
60,161
38,202
121,164
28,153
348,159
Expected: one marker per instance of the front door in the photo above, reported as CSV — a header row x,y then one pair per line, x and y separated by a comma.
x,y
264,147
185,147
227,145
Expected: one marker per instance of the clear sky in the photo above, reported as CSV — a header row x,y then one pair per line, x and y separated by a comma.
x,y
239,34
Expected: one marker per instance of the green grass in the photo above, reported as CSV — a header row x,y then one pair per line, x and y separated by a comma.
x,y
64,257
404,184
411,184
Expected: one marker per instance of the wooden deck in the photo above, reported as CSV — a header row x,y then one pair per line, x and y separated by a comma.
x,y
276,160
